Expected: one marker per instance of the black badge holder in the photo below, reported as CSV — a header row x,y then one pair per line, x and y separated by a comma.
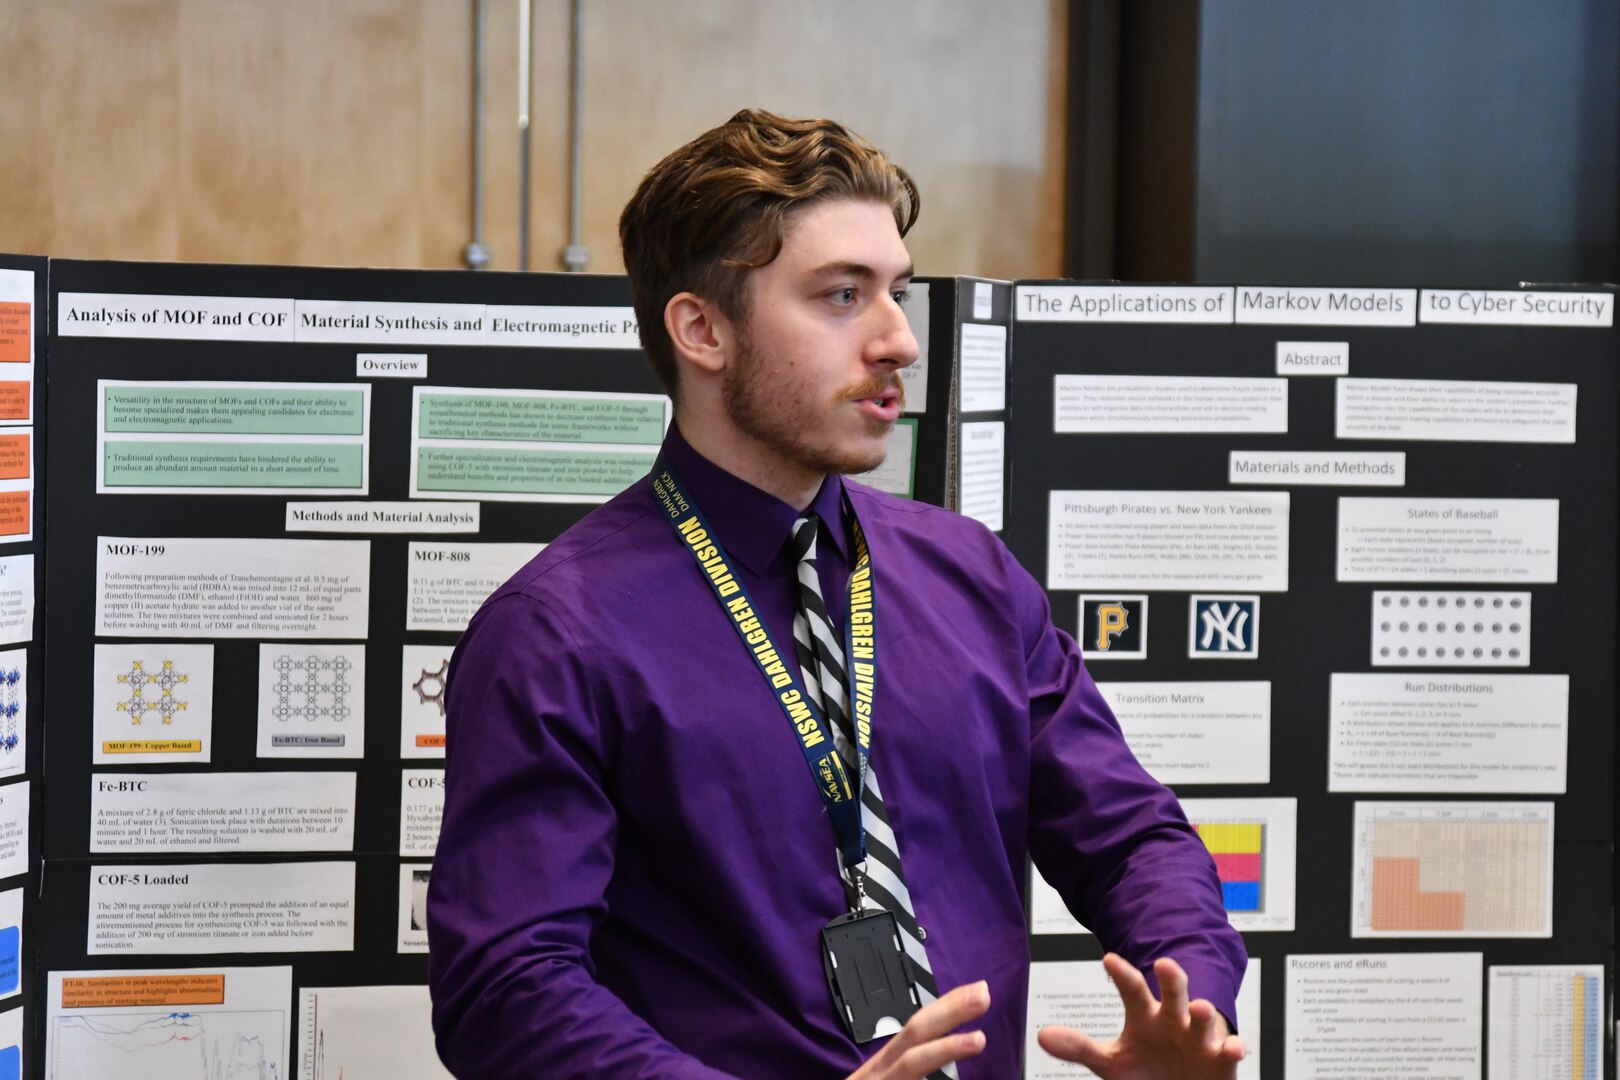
x,y
866,970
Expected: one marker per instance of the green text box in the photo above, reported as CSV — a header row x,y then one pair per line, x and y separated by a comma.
x,y
503,418
233,465
528,472
234,410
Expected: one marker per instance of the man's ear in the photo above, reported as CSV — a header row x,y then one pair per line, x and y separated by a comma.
x,y
699,332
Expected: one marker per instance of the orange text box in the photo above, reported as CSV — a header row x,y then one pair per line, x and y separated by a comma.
x,y
14,456
95,991
14,513
430,740
13,401
16,323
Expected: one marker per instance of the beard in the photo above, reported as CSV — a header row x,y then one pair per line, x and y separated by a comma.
x,y
785,422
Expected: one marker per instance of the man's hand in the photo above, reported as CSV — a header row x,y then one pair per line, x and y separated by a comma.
x,y
924,1044
1168,1040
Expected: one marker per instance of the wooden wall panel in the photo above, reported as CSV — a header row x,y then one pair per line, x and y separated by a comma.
x,y
339,131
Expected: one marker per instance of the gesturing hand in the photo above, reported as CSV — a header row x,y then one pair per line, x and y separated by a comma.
x,y
923,1045
1168,1040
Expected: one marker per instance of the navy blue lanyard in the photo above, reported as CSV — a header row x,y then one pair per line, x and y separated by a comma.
x,y
839,792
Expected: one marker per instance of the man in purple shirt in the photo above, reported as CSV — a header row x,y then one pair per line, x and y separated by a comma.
x,y
635,868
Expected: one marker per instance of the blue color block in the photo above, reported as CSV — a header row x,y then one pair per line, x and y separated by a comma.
x,y
10,1063
10,958
1241,895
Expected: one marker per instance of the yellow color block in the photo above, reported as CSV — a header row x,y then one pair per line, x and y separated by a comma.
x,y
1231,839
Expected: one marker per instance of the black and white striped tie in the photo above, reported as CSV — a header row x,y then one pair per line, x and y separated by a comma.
x,y
821,658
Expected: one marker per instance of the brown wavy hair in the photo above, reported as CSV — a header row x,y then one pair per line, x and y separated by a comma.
x,y
716,209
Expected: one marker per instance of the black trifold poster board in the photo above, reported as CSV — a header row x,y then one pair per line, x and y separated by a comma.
x,y
1344,562
278,494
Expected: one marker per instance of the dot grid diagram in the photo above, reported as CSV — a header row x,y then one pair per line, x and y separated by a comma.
x,y
10,708
1450,629
140,682
312,688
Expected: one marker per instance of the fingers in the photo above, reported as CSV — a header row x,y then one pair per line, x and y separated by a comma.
x,y
924,1044
1068,1044
1208,1028
1172,987
1232,1049
1133,988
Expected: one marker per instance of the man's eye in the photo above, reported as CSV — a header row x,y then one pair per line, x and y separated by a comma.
x,y
901,295
844,296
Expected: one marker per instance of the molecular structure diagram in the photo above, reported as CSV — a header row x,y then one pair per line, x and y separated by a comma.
x,y
10,708
300,686
165,704
434,679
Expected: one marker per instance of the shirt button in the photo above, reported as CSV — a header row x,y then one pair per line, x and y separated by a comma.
x,y
922,935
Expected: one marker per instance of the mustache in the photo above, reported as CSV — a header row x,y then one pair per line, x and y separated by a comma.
x,y
876,386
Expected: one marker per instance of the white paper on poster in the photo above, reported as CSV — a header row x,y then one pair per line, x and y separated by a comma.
x,y
1313,358
983,472
13,711
186,318
388,322
14,829
375,365
1455,410
413,895
1452,870
1485,307
1479,541
1254,845
421,806
187,812
1168,404
421,727
1454,733
152,702
895,474
312,700
11,951
1168,541
1048,914
11,1038
1196,732
1450,628
446,583
1294,306
1385,1014
164,1024
221,908
1122,303
563,327
914,376
16,598
1297,468
983,299
1546,1020
983,372
367,1031
232,587
1079,994
383,517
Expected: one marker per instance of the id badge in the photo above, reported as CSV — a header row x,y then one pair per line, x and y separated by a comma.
x,y
867,973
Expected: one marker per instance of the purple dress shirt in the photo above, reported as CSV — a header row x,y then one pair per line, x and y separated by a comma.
x,y
634,864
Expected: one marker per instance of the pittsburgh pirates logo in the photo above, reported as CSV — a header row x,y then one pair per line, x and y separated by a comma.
x,y
1113,627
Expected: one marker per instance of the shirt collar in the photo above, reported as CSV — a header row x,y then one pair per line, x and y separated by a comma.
x,y
752,524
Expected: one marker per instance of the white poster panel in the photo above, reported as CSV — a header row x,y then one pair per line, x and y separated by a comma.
x,y
1313,358
1452,733
14,800
1474,541
983,461
13,711
221,908
11,952
897,474
1452,870
1122,303
1450,628
1454,410
1079,994
186,812
416,517
232,587
1385,1014
1296,306
421,729
312,700
367,1031
914,376
16,598
164,1024
152,702
1168,404
1484,307
982,377
446,583
1546,1020
413,897
1196,732
421,806
1168,541
1297,468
